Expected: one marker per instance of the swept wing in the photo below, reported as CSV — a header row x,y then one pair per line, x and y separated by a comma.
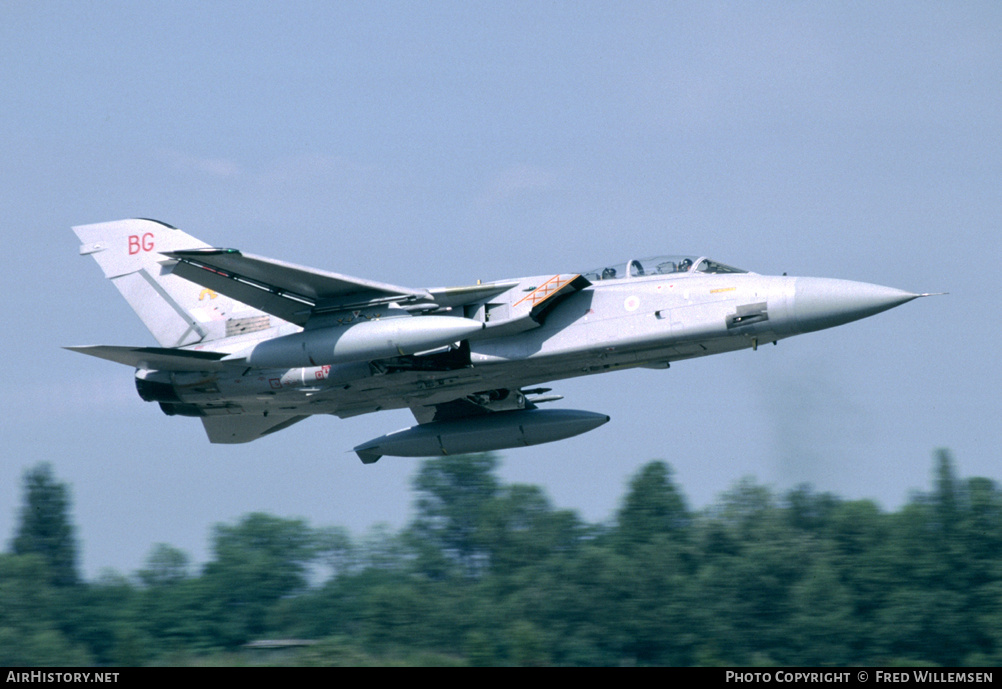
x,y
291,292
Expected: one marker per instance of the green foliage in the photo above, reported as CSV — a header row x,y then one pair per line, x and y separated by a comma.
x,y
653,509
31,608
493,574
257,562
452,493
165,566
45,528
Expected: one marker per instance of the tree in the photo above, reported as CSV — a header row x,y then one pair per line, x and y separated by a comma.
x,y
30,609
258,561
519,528
653,508
165,565
945,495
453,492
45,528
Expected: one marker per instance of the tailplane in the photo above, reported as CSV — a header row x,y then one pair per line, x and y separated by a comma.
x,y
176,311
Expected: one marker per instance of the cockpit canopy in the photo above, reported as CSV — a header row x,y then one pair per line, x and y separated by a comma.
x,y
659,265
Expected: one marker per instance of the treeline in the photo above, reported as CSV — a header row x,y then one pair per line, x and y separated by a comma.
x,y
492,574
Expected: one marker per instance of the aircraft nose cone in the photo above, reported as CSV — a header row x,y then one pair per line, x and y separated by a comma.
x,y
824,303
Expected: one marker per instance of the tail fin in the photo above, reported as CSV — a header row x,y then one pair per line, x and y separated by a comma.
x,y
176,311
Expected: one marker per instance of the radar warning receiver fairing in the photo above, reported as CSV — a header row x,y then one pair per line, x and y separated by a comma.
x,y
250,345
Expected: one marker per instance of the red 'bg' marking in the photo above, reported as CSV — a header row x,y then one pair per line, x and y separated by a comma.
x,y
137,243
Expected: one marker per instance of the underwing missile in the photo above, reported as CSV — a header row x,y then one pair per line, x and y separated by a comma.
x,y
495,431
363,341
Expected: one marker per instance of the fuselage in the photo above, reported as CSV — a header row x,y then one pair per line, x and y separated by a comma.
x,y
252,345
632,320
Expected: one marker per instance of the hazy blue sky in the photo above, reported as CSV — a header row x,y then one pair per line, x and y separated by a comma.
x,y
437,143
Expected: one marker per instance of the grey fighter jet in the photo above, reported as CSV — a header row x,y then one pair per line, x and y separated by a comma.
x,y
251,345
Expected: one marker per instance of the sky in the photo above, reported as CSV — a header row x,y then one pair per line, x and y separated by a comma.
x,y
438,143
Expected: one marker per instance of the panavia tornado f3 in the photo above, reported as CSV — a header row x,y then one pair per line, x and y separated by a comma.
x,y
251,345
